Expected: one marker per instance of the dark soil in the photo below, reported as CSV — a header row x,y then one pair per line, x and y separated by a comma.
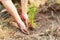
x,y
47,19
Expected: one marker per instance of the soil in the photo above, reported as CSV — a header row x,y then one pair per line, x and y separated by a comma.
x,y
47,19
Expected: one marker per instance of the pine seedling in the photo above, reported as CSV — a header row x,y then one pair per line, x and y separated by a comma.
x,y
31,13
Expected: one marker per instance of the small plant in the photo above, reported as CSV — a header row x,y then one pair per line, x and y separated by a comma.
x,y
31,13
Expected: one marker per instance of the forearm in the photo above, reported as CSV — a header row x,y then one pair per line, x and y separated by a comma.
x,y
11,9
24,5
24,9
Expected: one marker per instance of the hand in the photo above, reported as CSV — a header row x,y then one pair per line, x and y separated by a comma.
x,y
26,20
22,28
24,17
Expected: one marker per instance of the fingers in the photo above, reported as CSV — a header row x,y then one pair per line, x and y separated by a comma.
x,y
26,22
23,29
24,17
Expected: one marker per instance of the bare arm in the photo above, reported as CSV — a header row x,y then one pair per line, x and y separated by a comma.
x,y
24,11
12,10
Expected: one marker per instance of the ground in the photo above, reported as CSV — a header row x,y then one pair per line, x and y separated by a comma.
x,y
47,19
